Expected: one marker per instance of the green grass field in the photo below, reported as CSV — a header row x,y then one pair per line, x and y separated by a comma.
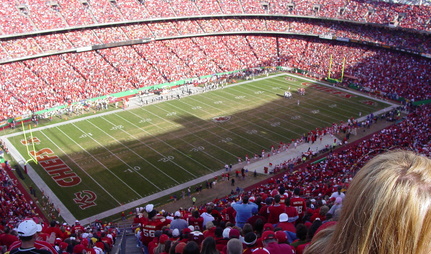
x,y
130,154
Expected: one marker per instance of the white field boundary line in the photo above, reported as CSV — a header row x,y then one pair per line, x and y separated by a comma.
x,y
65,213
344,90
103,165
233,133
347,111
131,150
310,115
191,145
119,110
59,148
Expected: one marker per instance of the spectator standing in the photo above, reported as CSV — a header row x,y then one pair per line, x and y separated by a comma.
x,y
196,221
298,202
244,210
178,222
275,210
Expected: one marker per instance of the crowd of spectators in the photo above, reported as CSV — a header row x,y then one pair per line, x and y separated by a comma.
x,y
46,82
43,83
38,44
56,237
41,15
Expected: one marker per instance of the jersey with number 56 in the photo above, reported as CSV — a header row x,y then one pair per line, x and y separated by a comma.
x,y
150,227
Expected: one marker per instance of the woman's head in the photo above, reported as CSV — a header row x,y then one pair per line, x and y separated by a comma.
x,y
387,208
208,246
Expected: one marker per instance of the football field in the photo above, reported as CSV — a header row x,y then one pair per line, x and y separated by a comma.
x,y
94,164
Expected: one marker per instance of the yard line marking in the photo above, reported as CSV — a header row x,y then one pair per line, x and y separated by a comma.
x,y
220,148
235,134
258,126
128,148
345,108
268,95
166,120
308,115
160,141
286,129
100,145
59,148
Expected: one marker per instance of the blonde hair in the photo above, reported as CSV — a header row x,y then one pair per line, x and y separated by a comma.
x,y
387,209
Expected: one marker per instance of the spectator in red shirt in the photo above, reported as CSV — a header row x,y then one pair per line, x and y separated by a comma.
x,y
298,202
291,211
275,210
8,237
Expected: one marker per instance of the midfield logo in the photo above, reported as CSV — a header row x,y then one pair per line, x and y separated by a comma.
x,y
221,119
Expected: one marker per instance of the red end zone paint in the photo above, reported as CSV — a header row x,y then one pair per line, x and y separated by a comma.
x,y
56,168
332,91
62,174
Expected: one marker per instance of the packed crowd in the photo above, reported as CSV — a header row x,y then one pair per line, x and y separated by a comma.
x,y
41,15
283,214
56,237
33,85
38,44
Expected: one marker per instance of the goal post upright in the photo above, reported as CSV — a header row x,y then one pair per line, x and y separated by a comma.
x,y
31,140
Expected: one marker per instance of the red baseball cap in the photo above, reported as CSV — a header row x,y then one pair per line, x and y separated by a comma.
x,y
163,238
268,226
268,235
281,236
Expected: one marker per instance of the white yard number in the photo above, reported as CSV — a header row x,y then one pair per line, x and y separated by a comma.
x,y
252,131
197,107
85,135
275,124
134,169
258,92
226,140
239,97
295,117
117,127
145,120
171,114
218,102
167,158
333,106
315,111
197,149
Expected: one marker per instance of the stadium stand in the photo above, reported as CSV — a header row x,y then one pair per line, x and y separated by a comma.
x,y
50,81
